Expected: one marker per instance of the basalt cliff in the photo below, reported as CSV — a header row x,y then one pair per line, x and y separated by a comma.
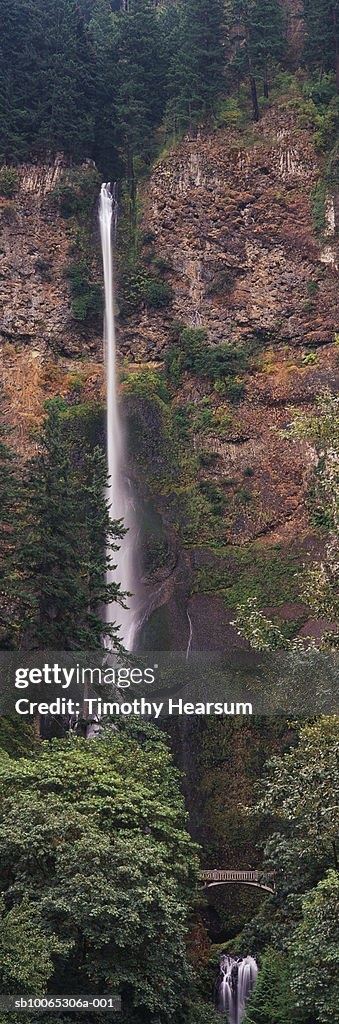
x,y
228,219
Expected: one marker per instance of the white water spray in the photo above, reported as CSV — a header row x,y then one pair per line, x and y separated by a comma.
x,y
237,980
119,489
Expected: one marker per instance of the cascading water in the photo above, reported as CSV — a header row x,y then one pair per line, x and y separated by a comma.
x,y
237,979
119,489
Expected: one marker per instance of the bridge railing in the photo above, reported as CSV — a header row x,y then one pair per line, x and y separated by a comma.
x,y
229,875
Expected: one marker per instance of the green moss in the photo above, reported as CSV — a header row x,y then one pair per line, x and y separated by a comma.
x,y
84,422
270,576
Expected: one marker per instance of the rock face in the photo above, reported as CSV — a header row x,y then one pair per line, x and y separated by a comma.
x,y
35,306
233,218
229,217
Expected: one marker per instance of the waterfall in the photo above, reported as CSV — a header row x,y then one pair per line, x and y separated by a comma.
x,y
237,979
119,488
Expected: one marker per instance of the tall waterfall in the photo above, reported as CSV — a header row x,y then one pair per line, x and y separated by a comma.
x,y
237,979
119,489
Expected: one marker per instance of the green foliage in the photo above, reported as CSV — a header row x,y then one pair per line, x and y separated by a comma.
x,y
26,950
191,352
272,1001
10,526
318,208
92,838
46,77
16,738
315,952
229,114
145,383
69,542
215,496
270,576
86,296
77,192
322,34
157,294
197,62
258,29
299,792
9,182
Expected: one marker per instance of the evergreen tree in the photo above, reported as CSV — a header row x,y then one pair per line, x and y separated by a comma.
x,y
196,74
107,135
272,1001
140,82
9,523
46,78
64,550
99,540
258,33
322,40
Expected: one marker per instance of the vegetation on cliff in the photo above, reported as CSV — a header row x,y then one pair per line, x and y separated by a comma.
x,y
98,876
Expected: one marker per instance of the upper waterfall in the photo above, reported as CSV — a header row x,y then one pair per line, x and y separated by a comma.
x,y
119,488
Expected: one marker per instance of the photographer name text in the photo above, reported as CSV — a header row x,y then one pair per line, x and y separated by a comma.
x,y
100,708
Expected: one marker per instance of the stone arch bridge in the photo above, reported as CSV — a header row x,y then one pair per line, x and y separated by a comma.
x,y
259,879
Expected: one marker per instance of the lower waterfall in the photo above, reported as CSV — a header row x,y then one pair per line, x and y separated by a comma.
x,y
237,980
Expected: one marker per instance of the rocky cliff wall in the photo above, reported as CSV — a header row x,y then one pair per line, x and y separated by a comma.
x,y
229,216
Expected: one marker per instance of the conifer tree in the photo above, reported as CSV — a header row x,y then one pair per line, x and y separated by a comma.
x,y
322,40
258,33
9,521
196,74
46,78
64,550
140,72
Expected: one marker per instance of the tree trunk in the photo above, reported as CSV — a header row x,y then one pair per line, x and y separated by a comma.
x,y
336,44
266,83
254,96
131,184
253,84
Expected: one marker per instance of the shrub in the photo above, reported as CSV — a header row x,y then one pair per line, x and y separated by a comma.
x,y
318,208
214,495
77,192
9,182
230,114
44,269
145,383
190,351
8,214
157,293
86,296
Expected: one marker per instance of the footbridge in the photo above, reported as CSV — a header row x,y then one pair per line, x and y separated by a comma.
x,y
259,879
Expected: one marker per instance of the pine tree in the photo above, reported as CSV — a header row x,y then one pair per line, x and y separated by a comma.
x,y
99,539
9,524
272,1001
258,34
64,549
322,40
140,95
196,75
47,78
